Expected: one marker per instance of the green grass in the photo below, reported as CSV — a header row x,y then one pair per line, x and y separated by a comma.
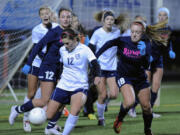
x,y
168,124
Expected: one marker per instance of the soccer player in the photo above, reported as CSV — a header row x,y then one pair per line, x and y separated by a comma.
x,y
38,33
155,73
131,77
48,72
107,61
73,85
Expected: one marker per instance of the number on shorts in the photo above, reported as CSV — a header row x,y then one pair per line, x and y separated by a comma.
x,y
121,81
49,75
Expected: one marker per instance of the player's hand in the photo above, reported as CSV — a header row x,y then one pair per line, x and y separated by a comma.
x,y
172,54
142,47
97,80
26,69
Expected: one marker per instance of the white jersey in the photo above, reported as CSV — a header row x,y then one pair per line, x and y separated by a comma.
x,y
108,60
38,33
75,67
126,33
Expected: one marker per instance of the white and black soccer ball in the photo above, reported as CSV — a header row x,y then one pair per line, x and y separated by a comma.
x,y
37,116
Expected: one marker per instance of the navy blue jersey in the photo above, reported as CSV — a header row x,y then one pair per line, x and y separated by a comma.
x,y
130,63
52,40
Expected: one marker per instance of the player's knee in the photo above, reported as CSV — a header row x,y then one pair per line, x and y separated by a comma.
x,y
129,103
43,102
146,108
113,95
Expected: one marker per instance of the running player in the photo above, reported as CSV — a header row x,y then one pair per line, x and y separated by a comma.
x,y
131,78
73,85
38,33
107,61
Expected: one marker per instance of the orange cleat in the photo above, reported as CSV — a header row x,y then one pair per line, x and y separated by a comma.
x,y
117,125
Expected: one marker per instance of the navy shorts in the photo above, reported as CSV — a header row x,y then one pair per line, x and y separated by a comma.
x,y
106,73
157,63
48,73
63,96
138,83
34,71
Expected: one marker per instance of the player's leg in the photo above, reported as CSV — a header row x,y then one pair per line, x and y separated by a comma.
x,y
156,83
128,101
77,102
53,114
144,98
101,99
114,90
32,89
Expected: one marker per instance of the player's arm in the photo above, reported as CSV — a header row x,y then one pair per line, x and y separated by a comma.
x,y
49,37
107,45
146,58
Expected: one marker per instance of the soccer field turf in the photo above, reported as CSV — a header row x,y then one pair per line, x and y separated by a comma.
x,y
168,124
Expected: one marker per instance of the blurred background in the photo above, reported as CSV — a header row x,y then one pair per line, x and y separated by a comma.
x,y
18,17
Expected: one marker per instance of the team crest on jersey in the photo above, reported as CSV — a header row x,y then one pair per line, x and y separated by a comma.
x,y
77,56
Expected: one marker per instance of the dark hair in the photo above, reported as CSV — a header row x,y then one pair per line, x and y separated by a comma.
x,y
69,33
63,9
108,13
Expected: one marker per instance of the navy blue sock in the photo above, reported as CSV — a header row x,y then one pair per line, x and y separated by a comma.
x,y
122,113
153,98
54,120
147,121
25,107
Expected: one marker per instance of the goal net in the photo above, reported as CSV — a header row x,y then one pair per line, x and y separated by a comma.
x,y
17,19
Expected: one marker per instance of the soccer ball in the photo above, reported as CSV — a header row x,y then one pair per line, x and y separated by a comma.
x,y
37,116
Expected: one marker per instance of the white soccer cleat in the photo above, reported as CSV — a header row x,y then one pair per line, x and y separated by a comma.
x,y
155,115
52,131
132,113
13,115
26,126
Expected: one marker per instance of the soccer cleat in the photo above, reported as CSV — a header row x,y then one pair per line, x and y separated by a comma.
x,y
155,115
13,115
148,132
92,116
132,113
52,131
117,125
65,112
26,126
57,127
101,122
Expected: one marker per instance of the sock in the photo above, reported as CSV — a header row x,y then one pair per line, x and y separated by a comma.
x,y
147,121
54,120
100,110
122,113
25,107
70,124
153,98
26,114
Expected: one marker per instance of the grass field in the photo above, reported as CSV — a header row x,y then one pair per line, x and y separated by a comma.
x,y
168,124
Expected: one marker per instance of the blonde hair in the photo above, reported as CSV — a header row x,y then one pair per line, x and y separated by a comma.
x,y
158,33
44,8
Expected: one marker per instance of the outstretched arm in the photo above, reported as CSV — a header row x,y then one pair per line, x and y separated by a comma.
x,y
107,45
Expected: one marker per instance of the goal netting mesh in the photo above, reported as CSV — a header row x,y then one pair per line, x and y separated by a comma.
x,y
17,19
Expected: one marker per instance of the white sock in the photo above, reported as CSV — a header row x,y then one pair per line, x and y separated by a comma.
x,y
38,93
70,124
26,114
100,110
